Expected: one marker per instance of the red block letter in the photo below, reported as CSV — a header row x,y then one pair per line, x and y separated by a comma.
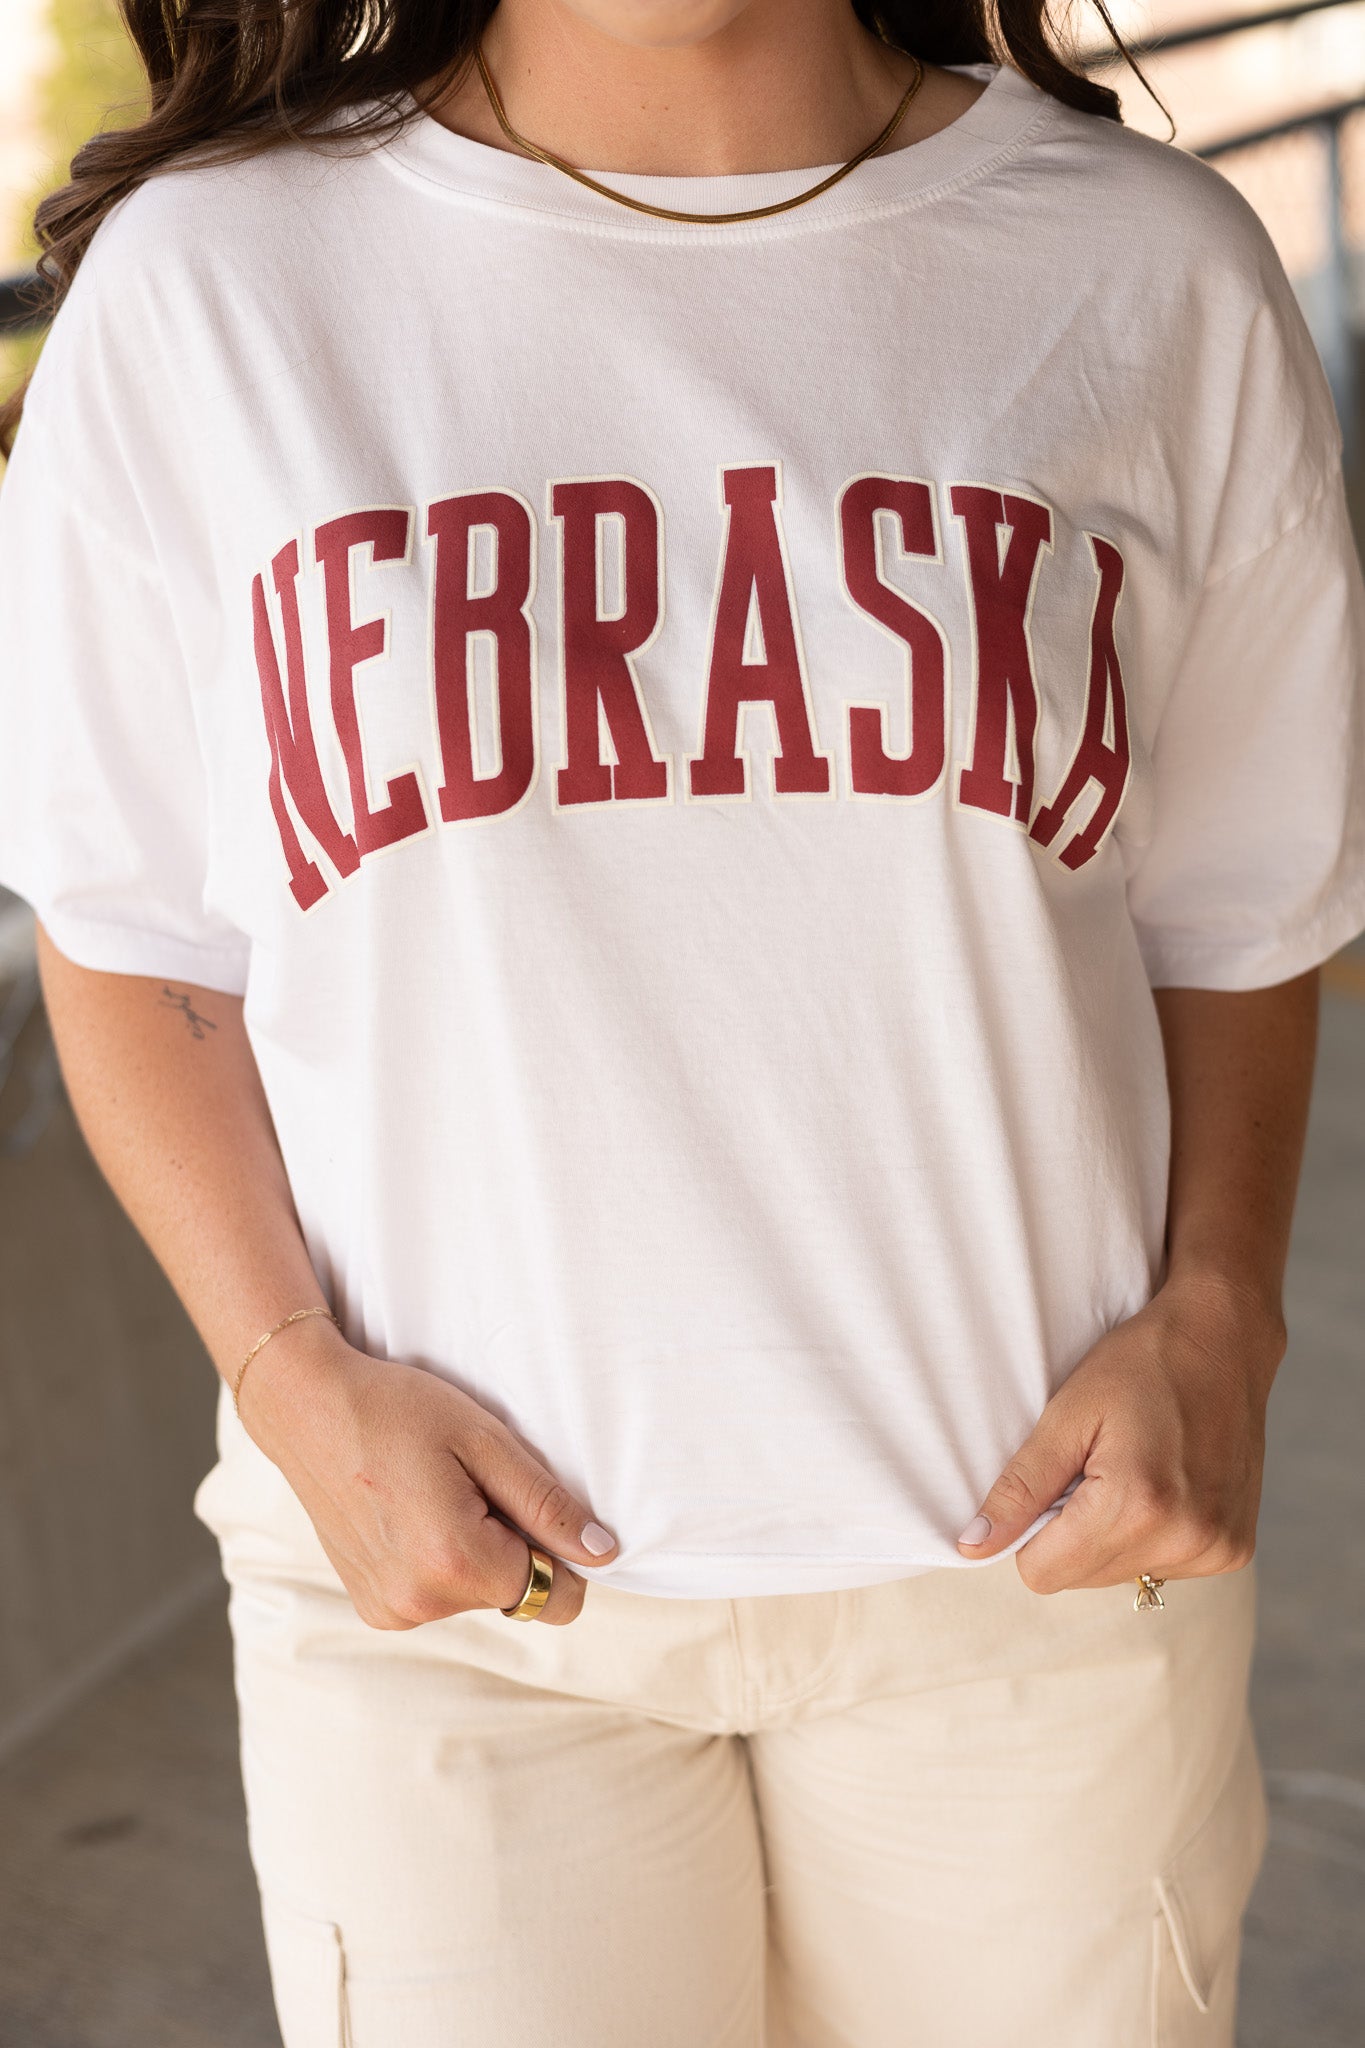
x,y
874,772
289,728
1005,686
754,568
385,533
502,612
1097,760
597,650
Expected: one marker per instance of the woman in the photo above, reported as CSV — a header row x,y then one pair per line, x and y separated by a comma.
x,y
683,714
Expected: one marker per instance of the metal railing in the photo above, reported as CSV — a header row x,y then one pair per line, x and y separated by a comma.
x,y
1215,30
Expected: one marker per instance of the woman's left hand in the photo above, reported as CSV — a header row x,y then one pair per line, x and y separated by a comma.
x,y
1165,1419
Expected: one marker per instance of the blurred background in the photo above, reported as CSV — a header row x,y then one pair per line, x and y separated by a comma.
x,y
128,1915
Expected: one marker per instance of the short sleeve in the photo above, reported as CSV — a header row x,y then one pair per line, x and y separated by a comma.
x,y
103,797
1254,868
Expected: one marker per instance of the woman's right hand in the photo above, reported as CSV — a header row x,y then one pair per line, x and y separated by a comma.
x,y
404,1477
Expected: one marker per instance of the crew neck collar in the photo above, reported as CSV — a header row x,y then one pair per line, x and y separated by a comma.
x,y
997,123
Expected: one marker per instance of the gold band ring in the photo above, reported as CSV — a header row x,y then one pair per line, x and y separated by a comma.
x,y
538,1584
1149,1593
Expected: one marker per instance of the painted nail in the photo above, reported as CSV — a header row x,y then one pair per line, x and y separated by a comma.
x,y
596,1539
975,1532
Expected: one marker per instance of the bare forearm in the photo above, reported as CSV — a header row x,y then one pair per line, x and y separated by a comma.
x,y
1240,1069
167,1094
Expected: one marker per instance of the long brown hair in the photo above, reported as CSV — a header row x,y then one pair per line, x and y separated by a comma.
x,y
230,78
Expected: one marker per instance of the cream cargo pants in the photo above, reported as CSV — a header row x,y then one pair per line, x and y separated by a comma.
x,y
943,1812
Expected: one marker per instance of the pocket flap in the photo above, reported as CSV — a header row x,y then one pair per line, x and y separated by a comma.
x,y
307,1975
1204,1890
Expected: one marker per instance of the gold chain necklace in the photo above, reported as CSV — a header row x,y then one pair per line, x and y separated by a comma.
x,y
667,212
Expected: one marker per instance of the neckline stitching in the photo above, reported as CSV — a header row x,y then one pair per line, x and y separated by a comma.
x,y
733,231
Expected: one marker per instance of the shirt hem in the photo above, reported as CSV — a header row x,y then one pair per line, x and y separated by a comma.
x,y
712,1575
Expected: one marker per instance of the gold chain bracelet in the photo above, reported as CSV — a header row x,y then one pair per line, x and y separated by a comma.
x,y
297,1316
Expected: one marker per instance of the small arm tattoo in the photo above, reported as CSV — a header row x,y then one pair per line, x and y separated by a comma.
x,y
187,1010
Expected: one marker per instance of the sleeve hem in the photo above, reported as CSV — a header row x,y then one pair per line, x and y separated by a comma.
x,y
127,949
1176,963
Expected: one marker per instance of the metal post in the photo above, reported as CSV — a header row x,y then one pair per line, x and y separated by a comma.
x,y
1339,341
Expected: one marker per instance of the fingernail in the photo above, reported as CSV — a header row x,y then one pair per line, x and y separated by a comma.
x,y
976,1532
596,1539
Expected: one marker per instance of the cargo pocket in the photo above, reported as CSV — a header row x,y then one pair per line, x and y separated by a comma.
x,y
1201,1896
308,1977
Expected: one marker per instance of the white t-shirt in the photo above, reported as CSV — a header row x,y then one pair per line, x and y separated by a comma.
x,y
695,743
